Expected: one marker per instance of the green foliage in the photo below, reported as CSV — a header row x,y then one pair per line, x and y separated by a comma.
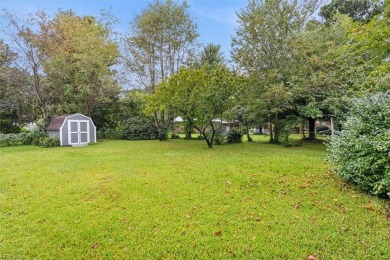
x,y
219,138
10,139
139,128
80,55
361,151
234,136
358,10
109,133
161,41
49,141
29,138
7,122
199,96
369,46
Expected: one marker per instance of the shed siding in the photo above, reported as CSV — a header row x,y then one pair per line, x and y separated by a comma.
x,y
64,132
53,133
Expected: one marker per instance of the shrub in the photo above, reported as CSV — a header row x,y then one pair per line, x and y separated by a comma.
x,y
219,138
234,136
49,142
361,151
29,138
108,133
10,140
139,128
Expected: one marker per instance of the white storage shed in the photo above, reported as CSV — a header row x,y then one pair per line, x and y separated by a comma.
x,y
74,130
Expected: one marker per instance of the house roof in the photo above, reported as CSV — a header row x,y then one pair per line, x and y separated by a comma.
x,y
57,122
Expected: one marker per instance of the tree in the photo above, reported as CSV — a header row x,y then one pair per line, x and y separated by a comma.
x,y
369,43
212,57
78,58
162,40
25,38
358,10
200,96
322,76
266,47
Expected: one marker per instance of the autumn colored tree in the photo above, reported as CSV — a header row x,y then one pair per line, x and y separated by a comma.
x,y
78,58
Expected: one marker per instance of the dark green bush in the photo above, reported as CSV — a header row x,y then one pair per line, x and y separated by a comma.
x,y
361,150
139,128
48,142
107,133
234,136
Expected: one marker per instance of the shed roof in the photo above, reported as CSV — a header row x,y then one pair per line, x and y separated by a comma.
x,y
57,122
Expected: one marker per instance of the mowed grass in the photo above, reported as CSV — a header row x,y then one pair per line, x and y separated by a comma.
x,y
181,200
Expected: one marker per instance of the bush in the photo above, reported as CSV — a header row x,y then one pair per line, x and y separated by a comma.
x,y
49,142
29,138
361,150
10,139
139,128
234,136
219,139
107,133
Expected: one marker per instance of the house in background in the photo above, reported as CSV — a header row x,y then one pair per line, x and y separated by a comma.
x,y
74,130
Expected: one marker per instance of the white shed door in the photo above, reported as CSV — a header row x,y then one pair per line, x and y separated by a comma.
x,y
78,131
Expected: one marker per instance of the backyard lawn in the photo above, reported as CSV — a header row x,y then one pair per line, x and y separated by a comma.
x,y
179,199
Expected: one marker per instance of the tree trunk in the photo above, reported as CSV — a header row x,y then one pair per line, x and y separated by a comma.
x,y
312,129
276,130
271,131
188,129
37,86
247,131
303,136
208,141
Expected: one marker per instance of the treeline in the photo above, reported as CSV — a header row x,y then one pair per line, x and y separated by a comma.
x,y
291,66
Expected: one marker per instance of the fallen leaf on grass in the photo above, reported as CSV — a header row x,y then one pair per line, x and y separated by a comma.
x,y
95,245
297,206
312,257
218,233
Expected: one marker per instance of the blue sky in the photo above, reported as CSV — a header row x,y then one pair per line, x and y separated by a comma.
x,y
216,19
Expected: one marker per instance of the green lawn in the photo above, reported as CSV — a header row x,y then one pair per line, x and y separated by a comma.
x,y
178,199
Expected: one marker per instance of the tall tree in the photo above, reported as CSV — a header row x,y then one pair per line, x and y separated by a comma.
x,y
358,10
266,47
212,56
25,38
369,42
79,54
322,76
162,39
